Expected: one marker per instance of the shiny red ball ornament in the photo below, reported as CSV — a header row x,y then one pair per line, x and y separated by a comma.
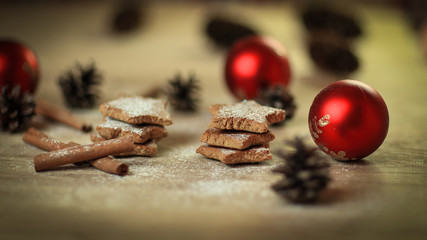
x,y
255,63
348,120
18,66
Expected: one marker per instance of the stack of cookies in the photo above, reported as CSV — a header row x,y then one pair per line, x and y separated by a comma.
x,y
239,132
144,119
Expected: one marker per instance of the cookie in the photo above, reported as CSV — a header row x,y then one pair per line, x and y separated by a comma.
x,y
137,110
147,149
140,133
235,139
233,156
245,116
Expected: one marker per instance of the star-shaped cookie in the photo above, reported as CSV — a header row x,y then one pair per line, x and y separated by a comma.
x,y
234,156
140,133
245,116
235,139
137,110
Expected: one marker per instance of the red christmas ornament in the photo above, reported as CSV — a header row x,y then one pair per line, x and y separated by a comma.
x,y
18,66
256,63
348,120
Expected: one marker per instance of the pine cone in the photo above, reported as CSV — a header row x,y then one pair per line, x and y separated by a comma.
x,y
129,16
305,173
416,12
16,108
78,86
225,32
334,58
183,95
278,97
321,18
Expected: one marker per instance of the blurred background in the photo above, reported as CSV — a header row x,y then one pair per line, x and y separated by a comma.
x,y
139,45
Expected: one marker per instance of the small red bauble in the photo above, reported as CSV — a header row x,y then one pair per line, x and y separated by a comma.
x,y
255,63
348,120
18,66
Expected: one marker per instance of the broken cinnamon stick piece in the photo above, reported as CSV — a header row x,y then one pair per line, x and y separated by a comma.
x,y
41,140
82,153
61,115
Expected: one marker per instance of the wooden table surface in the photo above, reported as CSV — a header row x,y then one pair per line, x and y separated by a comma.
x,y
180,194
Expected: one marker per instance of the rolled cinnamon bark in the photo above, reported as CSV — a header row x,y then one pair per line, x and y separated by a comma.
x,y
61,115
82,153
41,140
44,143
107,164
36,132
110,165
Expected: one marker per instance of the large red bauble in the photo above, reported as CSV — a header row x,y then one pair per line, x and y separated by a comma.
x,y
348,120
255,63
18,66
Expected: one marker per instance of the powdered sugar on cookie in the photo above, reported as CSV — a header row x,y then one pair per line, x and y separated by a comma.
x,y
137,110
245,116
122,126
246,109
138,106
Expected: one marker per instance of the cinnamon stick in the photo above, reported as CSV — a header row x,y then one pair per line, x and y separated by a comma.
x,y
41,140
82,153
44,143
107,164
61,115
37,133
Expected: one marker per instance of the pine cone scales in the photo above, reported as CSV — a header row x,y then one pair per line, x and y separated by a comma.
x,y
16,108
305,174
78,86
183,95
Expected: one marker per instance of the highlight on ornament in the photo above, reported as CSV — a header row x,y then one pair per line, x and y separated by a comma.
x,y
255,63
348,120
18,66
